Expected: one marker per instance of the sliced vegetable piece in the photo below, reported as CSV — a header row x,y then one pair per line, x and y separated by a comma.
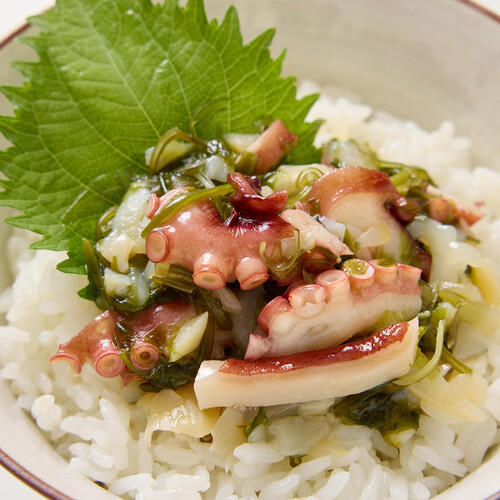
x,y
450,257
228,432
442,401
188,337
177,411
486,279
306,376
393,412
240,142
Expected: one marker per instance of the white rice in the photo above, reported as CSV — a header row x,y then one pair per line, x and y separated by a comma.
x,y
94,423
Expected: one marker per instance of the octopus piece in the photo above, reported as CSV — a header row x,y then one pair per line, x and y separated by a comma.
x,y
218,251
307,376
147,337
313,234
271,146
94,344
362,199
149,334
448,209
339,305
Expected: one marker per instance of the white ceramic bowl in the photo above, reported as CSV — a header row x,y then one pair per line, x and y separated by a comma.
x,y
428,60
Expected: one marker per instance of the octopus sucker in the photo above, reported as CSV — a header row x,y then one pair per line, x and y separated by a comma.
x,y
94,344
148,338
339,305
220,251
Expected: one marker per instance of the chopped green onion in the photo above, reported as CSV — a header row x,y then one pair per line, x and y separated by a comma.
x,y
355,267
260,418
448,357
308,177
415,377
214,306
124,356
94,272
286,264
300,196
204,180
155,164
179,203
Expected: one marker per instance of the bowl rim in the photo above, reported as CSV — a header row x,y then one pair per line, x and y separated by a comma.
x,y
17,469
30,479
482,8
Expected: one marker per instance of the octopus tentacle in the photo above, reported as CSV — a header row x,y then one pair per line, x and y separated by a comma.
x,y
361,199
271,146
148,335
449,209
307,376
339,305
94,344
219,251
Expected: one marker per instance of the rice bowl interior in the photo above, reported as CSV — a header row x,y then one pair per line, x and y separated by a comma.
x,y
109,445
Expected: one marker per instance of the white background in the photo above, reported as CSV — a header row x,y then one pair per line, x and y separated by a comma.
x,y
12,16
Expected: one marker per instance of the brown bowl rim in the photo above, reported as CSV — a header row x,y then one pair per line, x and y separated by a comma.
x,y
18,470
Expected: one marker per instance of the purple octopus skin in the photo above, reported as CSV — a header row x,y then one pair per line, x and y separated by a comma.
x,y
338,306
308,376
271,146
94,344
218,251
150,329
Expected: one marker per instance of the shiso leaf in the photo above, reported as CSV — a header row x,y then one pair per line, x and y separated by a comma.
x,y
112,77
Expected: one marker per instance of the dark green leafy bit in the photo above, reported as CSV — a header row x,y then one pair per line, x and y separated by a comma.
x,y
170,375
88,111
214,306
181,279
259,419
178,278
380,408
